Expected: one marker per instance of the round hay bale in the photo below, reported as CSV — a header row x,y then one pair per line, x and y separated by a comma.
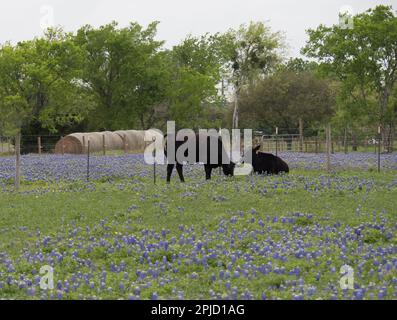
x,y
153,134
112,141
77,143
133,140
70,144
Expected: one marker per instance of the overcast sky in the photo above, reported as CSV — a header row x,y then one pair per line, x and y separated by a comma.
x,y
23,19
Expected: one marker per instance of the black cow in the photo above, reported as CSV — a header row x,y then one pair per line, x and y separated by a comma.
x,y
228,168
265,163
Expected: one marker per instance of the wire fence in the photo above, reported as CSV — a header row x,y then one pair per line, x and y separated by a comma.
x,y
299,149
305,142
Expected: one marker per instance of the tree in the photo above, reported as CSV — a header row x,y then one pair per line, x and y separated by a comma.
x,y
284,99
39,83
195,74
124,71
298,65
249,52
364,59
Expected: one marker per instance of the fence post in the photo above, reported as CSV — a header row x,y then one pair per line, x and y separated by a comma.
x,y
154,161
379,146
17,161
104,144
276,141
84,147
63,146
300,135
88,160
125,143
328,146
39,144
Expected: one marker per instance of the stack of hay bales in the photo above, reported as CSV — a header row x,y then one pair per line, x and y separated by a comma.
x,y
77,143
127,140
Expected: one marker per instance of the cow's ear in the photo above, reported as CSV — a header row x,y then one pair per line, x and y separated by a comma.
x,y
256,149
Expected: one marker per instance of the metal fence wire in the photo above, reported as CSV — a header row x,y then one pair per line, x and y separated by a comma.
x,y
272,143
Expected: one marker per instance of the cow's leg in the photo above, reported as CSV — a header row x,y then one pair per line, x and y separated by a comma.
x,y
208,171
170,168
179,168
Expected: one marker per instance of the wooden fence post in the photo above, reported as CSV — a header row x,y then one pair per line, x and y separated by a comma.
x,y
328,146
39,145
379,146
88,160
17,161
301,135
125,144
104,144
84,147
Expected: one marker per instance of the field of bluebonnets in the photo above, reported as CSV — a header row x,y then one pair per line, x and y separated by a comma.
x,y
119,236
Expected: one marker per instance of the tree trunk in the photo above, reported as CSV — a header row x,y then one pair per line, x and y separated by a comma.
x,y
385,128
354,141
236,110
387,133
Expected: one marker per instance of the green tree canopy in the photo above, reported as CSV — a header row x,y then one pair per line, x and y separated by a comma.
x,y
364,58
284,98
39,81
250,52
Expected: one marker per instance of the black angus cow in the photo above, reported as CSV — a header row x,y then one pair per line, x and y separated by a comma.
x,y
265,163
228,168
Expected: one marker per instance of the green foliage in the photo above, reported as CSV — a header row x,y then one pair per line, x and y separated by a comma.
x,y
40,77
250,51
193,89
123,72
364,59
112,77
284,98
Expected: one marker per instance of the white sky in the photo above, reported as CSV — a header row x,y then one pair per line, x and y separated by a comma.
x,y
22,19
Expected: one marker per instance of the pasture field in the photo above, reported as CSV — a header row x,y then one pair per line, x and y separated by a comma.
x,y
119,236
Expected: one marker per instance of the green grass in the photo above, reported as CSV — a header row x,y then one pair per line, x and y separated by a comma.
x,y
130,206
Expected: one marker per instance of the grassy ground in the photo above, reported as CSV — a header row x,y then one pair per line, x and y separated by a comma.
x,y
248,238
